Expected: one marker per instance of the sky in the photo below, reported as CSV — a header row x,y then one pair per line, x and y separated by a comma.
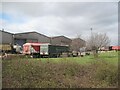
x,y
71,19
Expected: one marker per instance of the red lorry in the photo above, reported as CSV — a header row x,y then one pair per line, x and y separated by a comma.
x,y
32,49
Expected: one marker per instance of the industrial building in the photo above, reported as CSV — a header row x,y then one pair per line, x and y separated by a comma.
x,y
22,38
6,37
77,43
60,40
6,41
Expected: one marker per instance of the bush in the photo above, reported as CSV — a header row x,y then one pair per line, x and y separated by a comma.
x,y
27,73
107,72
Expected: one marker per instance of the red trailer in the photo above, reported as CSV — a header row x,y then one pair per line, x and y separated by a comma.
x,y
31,48
115,47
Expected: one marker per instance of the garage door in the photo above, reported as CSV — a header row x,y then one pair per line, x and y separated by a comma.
x,y
20,41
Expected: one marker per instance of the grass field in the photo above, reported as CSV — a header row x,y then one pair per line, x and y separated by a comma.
x,y
71,72
111,57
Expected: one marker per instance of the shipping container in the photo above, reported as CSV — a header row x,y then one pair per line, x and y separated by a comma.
x,y
48,50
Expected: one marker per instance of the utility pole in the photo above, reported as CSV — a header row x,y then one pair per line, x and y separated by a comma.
x,y
91,38
91,31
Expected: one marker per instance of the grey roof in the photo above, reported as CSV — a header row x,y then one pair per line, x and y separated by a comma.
x,y
78,38
6,32
31,32
61,36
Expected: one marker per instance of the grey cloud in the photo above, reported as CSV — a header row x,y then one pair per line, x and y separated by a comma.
x,y
68,18
61,8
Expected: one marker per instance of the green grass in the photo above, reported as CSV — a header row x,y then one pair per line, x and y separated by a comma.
x,y
111,57
70,72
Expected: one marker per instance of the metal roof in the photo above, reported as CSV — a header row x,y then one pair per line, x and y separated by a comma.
x,y
6,32
31,32
60,36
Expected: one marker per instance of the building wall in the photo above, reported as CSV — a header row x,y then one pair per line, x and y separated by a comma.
x,y
19,41
32,37
77,43
43,39
0,37
6,38
60,40
80,42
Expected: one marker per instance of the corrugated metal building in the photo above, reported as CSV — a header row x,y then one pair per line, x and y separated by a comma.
x,y
21,38
6,37
0,36
60,40
82,43
77,43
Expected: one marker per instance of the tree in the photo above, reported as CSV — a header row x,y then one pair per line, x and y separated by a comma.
x,y
96,41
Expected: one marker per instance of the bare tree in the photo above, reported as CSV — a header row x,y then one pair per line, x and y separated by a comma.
x,y
96,41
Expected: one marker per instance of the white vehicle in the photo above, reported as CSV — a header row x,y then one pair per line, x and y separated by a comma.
x,y
18,48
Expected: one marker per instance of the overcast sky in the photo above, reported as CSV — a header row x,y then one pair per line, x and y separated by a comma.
x,y
61,18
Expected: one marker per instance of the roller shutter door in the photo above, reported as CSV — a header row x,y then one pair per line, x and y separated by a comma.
x,y
20,41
